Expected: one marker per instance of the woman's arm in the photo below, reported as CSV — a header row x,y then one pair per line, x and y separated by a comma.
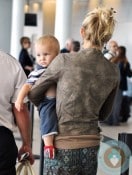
x,y
106,109
48,78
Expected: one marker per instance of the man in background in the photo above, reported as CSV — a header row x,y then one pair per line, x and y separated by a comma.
x,y
12,77
112,49
68,46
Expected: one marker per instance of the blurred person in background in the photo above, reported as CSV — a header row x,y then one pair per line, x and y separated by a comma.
x,y
112,49
68,46
125,71
75,46
25,58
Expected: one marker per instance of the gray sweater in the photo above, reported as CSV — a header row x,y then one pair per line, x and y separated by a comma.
x,y
86,86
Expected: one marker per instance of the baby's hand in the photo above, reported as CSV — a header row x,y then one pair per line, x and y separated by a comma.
x,y
19,105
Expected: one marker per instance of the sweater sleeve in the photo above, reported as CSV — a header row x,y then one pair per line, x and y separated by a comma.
x,y
48,78
108,104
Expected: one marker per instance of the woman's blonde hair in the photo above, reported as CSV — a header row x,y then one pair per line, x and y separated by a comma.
x,y
99,25
49,40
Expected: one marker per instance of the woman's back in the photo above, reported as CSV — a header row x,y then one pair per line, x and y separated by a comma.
x,y
83,94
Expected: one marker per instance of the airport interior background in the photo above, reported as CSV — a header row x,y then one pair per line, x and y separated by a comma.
x,y
12,23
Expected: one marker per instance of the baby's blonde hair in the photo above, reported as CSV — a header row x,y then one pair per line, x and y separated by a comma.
x,y
49,40
99,25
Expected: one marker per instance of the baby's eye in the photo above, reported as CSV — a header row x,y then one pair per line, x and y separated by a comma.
x,y
45,54
38,55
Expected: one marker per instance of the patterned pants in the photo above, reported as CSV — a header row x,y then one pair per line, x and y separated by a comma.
x,y
72,162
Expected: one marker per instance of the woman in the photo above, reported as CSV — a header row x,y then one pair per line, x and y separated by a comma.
x,y
121,114
86,87
24,57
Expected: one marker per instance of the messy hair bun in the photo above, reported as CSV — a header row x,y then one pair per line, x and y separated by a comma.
x,y
99,26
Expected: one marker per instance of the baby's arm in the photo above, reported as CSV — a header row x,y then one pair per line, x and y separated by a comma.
x,y
22,94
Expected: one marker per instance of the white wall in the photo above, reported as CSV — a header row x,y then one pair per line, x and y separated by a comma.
x,y
33,32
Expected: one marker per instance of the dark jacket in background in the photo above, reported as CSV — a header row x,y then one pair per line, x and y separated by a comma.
x,y
25,60
125,72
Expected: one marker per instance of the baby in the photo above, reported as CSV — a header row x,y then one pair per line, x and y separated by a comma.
x,y
46,48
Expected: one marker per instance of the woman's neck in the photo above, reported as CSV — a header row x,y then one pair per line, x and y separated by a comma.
x,y
88,45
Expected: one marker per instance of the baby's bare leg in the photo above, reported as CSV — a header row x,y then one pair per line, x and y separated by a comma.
x,y
48,140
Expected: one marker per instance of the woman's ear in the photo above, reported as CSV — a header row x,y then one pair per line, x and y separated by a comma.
x,y
82,32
